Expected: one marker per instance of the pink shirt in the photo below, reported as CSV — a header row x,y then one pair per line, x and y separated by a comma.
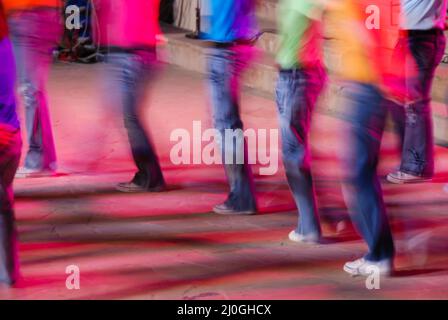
x,y
127,24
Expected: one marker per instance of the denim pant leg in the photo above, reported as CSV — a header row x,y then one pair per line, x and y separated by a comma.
x,y
365,115
418,145
131,74
224,69
397,110
297,92
9,261
34,35
9,161
398,113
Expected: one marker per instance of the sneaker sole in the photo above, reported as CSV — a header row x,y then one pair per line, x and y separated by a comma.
x,y
351,272
35,175
355,273
400,181
307,242
303,241
234,213
128,190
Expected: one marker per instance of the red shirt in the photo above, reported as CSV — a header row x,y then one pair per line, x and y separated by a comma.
x,y
3,28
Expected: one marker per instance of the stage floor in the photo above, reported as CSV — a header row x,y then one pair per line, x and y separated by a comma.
x,y
169,246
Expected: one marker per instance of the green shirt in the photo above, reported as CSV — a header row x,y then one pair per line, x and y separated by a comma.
x,y
300,37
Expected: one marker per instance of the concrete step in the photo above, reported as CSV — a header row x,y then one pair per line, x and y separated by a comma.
x,y
261,76
191,54
269,41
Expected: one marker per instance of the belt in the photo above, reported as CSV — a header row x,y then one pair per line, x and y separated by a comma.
x,y
314,66
226,45
114,49
430,32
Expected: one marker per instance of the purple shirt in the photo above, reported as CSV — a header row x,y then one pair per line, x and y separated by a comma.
x,y
8,114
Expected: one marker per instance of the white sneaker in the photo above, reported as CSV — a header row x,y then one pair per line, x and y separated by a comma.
x,y
400,177
297,237
24,172
363,267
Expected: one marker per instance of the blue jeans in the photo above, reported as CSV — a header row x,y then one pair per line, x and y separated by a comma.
x,y
225,67
297,93
9,161
34,34
131,74
414,121
365,113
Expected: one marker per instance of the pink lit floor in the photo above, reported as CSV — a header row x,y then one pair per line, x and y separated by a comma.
x,y
169,245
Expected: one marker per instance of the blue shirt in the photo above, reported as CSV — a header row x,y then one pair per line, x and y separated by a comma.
x,y
231,20
423,14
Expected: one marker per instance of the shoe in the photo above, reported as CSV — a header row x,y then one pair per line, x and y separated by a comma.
x,y
445,188
363,267
131,187
297,237
225,209
400,177
24,172
8,282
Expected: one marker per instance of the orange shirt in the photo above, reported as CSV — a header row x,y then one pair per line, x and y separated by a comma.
x,y
13,5
364,53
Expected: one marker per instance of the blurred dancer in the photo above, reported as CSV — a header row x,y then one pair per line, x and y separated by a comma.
x,y
232,25
366,80
10,148
422,25
128,30
301,79
35,29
